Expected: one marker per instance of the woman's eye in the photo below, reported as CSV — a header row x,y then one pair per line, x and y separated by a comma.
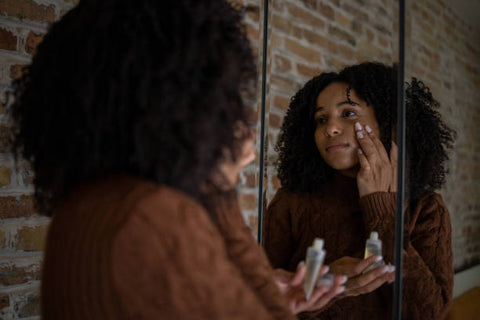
x,y
320,121
349,113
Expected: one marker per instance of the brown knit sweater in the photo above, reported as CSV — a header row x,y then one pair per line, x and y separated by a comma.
x,y
123,248
293,220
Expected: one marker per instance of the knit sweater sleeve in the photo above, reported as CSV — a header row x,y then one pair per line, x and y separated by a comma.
x,y
169,262
277,231
245,252
427,254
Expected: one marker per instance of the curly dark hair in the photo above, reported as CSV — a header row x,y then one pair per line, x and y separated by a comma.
x,y
148,88
428,138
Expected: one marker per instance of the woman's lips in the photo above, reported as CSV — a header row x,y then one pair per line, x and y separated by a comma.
x,y
336,147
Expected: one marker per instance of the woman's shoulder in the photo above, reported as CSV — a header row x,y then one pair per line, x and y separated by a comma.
x,y
128,197
430,201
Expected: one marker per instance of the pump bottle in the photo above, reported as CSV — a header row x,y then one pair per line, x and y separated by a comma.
x,y
373,246
314,261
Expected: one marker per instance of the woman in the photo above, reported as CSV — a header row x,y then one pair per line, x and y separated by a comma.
x,y
132,117
337,165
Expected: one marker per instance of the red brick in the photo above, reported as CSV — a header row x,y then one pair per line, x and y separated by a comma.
x,y
250,180
305,52
253,12
341,35
282,24
31,238
319,40
305,16
310,3
327,11
28,305
252,32
13,207
27,10
253,224
281,102
2,239
307,71
5,138
248,201
5,176
274,120
346,52
4,301
33,40
283,84
12,275
282,64
8,41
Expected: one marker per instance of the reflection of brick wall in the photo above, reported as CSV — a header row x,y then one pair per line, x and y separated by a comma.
x,y
308,37
445,52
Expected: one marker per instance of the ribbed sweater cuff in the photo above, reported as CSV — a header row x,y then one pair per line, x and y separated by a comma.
x,y
377,206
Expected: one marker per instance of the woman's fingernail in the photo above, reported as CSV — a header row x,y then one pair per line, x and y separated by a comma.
x,y
360,151
358,126
392,268
385,269
344,279
301,263
359,134
342,289
327,268
369,130
378,258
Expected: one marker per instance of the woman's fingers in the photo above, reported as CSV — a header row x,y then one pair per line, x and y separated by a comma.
x,y
370,281
364,164
366,144
382,152
299,275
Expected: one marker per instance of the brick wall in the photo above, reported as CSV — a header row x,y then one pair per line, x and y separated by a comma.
x,y
445,52
22,231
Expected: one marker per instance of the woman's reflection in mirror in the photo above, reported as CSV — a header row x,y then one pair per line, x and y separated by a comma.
x,y
338,165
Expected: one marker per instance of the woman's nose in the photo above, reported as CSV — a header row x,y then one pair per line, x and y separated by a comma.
x,y
333,128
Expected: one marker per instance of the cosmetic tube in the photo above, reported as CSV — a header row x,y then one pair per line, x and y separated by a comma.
x,y
373,246
314,261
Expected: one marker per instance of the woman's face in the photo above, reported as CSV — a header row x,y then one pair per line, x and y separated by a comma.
x,y
335,117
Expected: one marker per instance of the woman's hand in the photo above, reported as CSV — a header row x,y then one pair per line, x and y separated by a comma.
x,y
358,282
378,171
291,285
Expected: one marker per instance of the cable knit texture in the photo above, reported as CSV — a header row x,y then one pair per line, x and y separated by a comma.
x,y
123,248
344,221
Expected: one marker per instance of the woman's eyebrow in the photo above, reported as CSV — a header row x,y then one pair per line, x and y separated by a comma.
x,y
350,103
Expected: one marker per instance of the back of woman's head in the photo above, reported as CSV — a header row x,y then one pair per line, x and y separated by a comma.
x,y
149,88
301,168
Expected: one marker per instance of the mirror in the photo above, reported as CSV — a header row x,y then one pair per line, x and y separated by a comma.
x,y
306,39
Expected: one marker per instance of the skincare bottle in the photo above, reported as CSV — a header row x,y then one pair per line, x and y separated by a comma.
x,y
373,246
314,261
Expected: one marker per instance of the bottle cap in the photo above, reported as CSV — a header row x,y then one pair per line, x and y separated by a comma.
x,y
318,243
374,235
